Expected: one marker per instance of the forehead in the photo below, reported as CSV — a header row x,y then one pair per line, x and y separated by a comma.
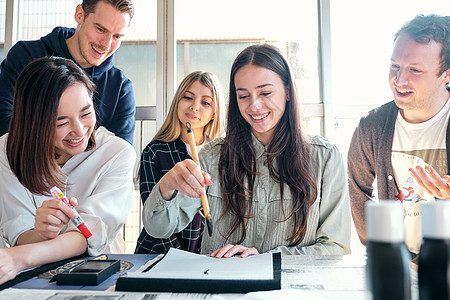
x,y
253,76
407,50
74,99
200,88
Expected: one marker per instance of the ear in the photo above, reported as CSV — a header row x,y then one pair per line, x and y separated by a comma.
x,y
447,76
288,94
79,14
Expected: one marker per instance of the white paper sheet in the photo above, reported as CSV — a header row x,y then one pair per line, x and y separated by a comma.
x,y
179,264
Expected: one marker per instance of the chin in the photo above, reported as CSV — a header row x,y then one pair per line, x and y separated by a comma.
x,y
98,61
401,102
76,152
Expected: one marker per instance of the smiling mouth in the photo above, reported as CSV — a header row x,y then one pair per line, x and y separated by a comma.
x,y
259,117
73,141
192,117
98,50
403,92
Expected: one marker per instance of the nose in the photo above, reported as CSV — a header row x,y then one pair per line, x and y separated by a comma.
x,y
195,106
401,77
77,129
106,41
256,102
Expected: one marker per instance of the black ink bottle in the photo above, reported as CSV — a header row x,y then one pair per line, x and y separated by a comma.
x,y
387,269
434,256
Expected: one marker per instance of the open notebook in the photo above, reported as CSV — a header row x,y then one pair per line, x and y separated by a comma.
x,y
182,271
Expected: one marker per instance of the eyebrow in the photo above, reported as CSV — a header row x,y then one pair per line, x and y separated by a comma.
x,y
203,96
393,60
83,109
411,65
106,29
258,87
100,25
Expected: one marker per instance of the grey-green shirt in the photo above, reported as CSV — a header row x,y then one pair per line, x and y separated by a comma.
x,y
328,225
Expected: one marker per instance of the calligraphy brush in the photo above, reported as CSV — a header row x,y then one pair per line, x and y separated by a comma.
x,y
205,204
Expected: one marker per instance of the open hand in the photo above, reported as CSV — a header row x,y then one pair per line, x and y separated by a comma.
x,y
230,250
431,181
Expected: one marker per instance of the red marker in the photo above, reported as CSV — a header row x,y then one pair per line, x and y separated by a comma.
x,y
78,221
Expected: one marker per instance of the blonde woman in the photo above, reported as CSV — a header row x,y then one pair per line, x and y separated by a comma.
x,y
197,101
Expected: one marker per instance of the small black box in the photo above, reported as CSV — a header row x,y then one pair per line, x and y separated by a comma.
x,y
88,272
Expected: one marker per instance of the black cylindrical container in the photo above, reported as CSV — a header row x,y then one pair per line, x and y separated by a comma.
x,y
387,269
434,256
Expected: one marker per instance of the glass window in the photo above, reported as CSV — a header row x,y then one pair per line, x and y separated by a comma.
x,y
2,22
218,30
136,57
2,27
40,17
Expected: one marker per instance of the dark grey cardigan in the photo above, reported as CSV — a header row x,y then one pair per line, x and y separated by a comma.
x,y
369,159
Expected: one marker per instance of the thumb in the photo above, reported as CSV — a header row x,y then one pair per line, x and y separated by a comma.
x,y
73,201
207,178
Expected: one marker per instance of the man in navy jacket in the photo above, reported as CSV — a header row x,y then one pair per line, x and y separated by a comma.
x,y
101,27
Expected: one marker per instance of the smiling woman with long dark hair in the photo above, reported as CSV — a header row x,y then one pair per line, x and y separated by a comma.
x,y
273,188
52,141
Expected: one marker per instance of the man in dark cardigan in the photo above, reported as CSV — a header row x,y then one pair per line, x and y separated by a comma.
x,y
400,151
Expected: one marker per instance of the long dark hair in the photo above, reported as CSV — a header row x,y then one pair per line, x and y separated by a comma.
x,y
287,154
31,139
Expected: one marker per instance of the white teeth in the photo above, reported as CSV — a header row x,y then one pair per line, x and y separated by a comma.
x,y
101,52
75,141
403,91
260,116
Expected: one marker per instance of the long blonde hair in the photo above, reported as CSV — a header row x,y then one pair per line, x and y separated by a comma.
x,y
171,128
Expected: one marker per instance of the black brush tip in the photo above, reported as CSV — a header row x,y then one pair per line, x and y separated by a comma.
x,y
210,227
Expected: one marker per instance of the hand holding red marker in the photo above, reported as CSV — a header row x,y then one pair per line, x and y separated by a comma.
x,y
78,221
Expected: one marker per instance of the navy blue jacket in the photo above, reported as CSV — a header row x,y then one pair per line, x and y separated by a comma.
x,y
114,97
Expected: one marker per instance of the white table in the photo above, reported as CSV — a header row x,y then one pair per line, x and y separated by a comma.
x,y
303,277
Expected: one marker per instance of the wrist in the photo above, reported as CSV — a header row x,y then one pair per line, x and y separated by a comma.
x,y
166,190
168,195
21,257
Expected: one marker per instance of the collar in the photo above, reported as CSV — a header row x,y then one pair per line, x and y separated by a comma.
x,y
180,145
259,148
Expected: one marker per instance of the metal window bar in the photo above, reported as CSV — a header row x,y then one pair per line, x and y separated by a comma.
x,y
143,114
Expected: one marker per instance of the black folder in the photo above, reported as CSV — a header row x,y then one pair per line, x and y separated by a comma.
x,y
137,284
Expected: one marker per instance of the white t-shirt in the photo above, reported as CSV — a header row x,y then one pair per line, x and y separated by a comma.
x,y
418,145
198,147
